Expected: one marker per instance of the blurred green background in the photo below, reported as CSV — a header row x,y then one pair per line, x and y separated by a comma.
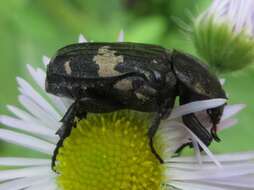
x,y
30,29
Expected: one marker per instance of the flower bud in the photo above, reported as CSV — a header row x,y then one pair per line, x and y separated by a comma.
x,y
223,34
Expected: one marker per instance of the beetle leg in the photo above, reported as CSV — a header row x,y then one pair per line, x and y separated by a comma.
x,y
79,109
151,132
197,128
180,149
67,118
65,130
164,112
214,133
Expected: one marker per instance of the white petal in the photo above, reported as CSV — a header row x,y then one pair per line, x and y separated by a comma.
x,y
59,103
29,91
210,174
197,150
25,172
231,157
19,184
174,135
121,36
204,147
82,39
21,113
32,122
238,182
67,102
38,112
47,185
231,110
193,186
222,81
45,60
39,77
227,124
28,127
209,166
172,129
27,141
18,161
196,106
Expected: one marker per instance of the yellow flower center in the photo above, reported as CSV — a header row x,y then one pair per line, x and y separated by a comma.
x,y
109,152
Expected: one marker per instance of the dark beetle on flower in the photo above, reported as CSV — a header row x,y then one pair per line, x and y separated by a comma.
x,y
105,77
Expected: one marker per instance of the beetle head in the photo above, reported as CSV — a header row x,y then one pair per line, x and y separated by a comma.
x,y
215,114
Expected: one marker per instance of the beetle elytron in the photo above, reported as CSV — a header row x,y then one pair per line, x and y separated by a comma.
x,y
105,77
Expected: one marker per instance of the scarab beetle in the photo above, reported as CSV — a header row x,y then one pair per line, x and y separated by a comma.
x,y
105,77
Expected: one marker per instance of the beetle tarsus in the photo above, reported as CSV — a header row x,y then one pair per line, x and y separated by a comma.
x,y
155,152
214,134
67,127
65,130
180,149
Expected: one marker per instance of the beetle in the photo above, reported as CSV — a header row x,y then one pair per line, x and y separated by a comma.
x,y
106,77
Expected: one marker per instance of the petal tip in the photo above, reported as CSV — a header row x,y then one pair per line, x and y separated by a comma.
x,y
222,81
45,60
81,38
121,36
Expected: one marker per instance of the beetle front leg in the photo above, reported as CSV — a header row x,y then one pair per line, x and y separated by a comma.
x,y
197,128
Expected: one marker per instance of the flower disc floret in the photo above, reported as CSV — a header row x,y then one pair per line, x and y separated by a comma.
x,y
109,151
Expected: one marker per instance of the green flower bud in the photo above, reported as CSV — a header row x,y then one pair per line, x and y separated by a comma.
x,y
223,34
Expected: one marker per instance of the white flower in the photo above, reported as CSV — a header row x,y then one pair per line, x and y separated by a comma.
x,y
35,127
223,34
238,14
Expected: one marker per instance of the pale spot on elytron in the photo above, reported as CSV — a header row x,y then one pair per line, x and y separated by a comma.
x,y
124,84
107,61
67,68
155,61
109,152
141,97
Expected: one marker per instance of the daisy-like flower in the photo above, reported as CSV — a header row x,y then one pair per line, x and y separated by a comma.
x,y
223,34
111,151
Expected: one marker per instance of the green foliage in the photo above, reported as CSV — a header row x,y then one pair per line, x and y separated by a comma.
x,y
147,30
220,47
